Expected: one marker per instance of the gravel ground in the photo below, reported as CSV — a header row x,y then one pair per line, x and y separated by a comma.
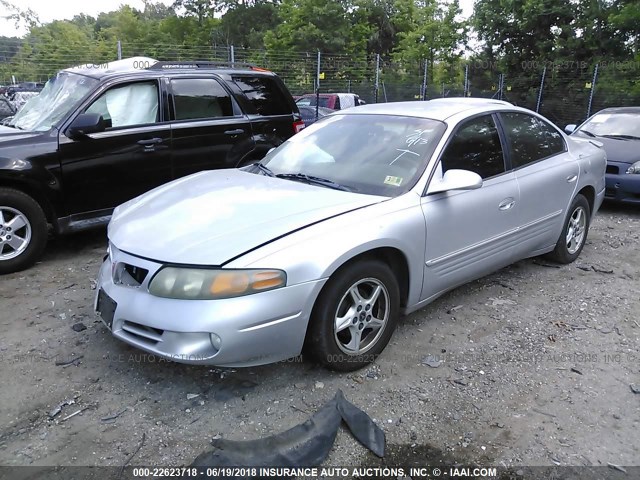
x,y
533,365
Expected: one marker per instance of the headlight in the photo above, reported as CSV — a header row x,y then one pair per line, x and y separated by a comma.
x,y
210,284
635,168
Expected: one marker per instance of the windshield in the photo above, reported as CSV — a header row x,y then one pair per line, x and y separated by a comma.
x,y
372,154
58,97
613,124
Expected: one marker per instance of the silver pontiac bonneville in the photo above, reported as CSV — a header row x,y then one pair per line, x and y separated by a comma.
x,y
369,213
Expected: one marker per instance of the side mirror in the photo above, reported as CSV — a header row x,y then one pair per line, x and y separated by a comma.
x,y
86,123
570,128
456,180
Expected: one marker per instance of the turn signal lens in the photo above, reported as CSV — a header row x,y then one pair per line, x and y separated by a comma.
x,y
229,284
267,280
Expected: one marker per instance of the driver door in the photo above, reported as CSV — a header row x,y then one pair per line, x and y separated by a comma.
x,y
470,232
130,157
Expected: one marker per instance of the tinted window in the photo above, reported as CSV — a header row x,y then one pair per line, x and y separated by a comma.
x,y
531,138
475,146
126,105
200,98
265,95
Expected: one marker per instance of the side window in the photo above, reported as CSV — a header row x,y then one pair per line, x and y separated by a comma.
x,y
531,139
475,146
127,105
265,95
200,98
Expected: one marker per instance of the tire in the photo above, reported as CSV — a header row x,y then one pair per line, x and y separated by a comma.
x,y
21,217
574,233
336,349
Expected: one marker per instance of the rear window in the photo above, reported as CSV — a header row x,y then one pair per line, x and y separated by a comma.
x,y
264,94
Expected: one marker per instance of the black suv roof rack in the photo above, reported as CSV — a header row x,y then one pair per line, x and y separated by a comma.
x,y
167,65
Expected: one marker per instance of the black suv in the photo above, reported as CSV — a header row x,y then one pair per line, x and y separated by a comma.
x,y
99,135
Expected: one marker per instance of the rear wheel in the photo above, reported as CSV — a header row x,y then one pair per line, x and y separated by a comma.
x,y
23,230
354,316
574,233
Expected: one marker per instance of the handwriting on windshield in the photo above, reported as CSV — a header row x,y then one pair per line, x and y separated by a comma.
x,y
403,152
417,138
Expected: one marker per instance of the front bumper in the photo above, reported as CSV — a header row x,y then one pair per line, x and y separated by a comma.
x,y
622,187
256,329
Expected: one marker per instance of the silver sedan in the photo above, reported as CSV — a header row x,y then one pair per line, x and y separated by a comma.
x,y
371,213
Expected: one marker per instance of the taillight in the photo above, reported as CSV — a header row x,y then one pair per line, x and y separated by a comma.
x,y
297,126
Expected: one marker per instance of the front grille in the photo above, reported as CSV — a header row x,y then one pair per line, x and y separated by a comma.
x,y
129,275
613,169
143,333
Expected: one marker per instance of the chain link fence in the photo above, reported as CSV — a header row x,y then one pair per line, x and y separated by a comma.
x,y
565,92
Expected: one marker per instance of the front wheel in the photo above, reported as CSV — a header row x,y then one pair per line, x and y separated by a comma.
x,y
354,316
574,233
23,230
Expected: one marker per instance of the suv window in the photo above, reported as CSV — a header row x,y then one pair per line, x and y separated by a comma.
x,y
265,95
476,147
531,139
126,105
200,98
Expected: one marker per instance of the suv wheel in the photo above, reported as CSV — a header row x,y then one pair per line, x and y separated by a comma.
x,y
23,230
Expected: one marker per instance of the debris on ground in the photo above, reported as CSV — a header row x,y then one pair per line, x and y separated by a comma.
x,y
433,361
307,444
78,327
60,406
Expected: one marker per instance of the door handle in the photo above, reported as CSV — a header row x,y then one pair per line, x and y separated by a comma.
x,y
506,204
572,178
237,131
149,142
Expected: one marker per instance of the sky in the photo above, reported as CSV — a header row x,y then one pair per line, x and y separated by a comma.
x,y
48,10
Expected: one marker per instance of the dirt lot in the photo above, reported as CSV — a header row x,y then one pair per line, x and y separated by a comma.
x,y
537,365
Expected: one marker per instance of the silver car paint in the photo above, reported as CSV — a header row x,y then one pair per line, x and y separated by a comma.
x,y
446,239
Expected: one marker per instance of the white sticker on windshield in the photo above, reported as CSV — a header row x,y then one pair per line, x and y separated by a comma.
x,y
395,181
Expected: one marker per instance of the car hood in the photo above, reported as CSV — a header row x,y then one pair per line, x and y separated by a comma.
x,y
618,150
212,217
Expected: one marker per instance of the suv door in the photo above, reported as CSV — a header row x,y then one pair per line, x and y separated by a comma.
x,y
470,232
130,157
208,129
547,178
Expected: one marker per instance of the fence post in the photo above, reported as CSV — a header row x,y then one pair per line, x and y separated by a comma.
x,y
119,49
424,81
593,88
377,76
466,81
318,85
544,73
232,55
442,89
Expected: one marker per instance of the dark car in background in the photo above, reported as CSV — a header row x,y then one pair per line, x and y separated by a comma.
x,y
311,114
618,129
97,136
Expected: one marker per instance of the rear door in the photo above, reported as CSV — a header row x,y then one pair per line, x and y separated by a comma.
x,y
273,113
470,233
208,130
547,177
129,158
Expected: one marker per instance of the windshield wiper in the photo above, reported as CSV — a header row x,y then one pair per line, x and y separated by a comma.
x,y
623,137
314,180
264,169
587,132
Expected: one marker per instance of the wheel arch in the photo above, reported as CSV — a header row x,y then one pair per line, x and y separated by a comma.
x,y
35,193
393,257
589,193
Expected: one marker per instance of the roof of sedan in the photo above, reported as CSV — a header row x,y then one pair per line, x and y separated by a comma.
x,y
620,110
437,109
